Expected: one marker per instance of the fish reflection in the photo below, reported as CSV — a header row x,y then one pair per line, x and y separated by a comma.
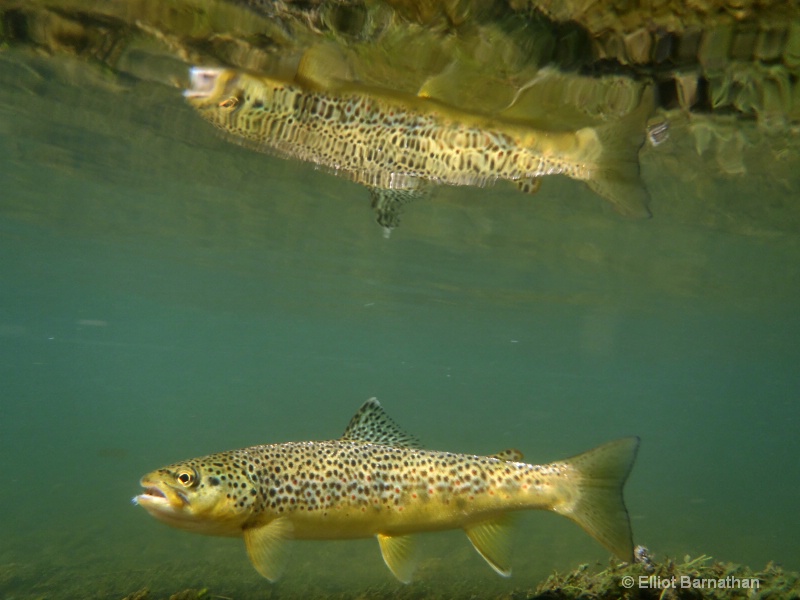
x,y
398,144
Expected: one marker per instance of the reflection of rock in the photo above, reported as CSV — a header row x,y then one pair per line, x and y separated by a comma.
x,y
726,141
741,58
705,30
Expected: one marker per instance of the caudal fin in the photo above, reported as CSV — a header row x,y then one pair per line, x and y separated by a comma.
x,y
617,177
599,508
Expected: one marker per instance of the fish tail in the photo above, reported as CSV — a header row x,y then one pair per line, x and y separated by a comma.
x,y
617,177
599,507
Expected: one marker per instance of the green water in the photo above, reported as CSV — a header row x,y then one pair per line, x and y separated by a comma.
x,y
164,294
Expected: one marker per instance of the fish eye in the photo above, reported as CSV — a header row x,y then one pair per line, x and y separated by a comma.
x,y
186,477
229,103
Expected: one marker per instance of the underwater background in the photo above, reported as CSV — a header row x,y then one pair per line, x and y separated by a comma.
x,y
167,294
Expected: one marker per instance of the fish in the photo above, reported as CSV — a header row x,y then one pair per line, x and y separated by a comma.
x,y
399,145
376,481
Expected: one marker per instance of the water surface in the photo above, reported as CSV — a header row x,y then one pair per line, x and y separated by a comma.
x,y
166,294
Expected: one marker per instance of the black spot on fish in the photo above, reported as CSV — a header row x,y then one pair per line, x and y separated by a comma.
x,y
213,481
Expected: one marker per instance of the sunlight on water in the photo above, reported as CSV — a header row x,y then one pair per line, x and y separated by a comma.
x,y
166,294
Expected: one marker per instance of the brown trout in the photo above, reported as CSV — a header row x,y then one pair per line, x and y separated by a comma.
x,y
375,481
398,144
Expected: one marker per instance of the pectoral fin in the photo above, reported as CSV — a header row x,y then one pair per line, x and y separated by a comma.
x,y
267,548
492,540
324,66
399,554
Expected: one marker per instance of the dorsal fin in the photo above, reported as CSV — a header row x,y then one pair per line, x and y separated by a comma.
x,y
371,424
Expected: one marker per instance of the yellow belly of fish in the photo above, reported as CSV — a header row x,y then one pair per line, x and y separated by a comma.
x,y
414,516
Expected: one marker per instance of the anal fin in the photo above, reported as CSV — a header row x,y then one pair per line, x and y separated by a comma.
x,y
267,547
492,540
399,554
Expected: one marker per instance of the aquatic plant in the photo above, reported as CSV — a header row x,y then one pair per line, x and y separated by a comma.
x,y
646,579
670,579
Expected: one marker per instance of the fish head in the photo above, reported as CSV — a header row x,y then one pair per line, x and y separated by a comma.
x,y
218,91
192,495
209,83
232,99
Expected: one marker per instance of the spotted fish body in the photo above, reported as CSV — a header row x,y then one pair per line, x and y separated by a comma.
x,y
396,144
375,482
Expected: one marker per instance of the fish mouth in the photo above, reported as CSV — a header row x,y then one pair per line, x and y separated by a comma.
x,y
202,81
155,497
154,492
